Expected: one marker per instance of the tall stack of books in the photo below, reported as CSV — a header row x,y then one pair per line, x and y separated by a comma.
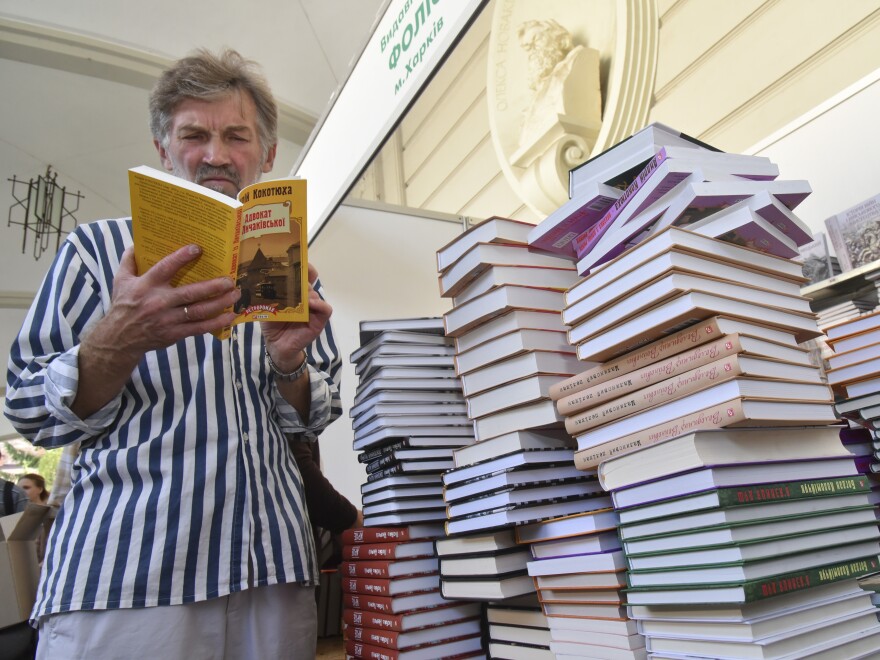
x,y
510,348
392,606
748,543
408,416
690,315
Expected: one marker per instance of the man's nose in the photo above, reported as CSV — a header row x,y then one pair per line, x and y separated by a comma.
x,y
216,152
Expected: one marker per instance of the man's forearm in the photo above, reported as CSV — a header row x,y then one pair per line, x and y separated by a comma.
x,y
104,369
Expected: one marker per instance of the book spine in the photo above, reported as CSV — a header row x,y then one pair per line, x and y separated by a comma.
x,y
586,240
371,535
356,649
378,452
384,472
644,377
809,578
713,417
792,490
369,586
693,335
665,391
373,620
382,462
373,636
365,569
369,551
380,604
226,331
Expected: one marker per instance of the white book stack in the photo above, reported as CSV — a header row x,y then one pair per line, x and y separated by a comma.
x,y
408,418
511,347
510,341
579,571
854,367
484,566
639,318
518,629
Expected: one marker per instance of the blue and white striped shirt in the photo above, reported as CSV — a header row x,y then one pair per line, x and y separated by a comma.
x,y
184,488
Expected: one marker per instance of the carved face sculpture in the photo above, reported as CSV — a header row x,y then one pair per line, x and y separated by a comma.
x,y
547,43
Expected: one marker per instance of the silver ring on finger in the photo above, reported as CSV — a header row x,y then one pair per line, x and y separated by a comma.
x,y
186,313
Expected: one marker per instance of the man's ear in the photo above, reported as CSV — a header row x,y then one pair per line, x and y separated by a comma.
x,y
270,159
163,155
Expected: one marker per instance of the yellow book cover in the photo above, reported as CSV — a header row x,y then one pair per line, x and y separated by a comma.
x,y
258,239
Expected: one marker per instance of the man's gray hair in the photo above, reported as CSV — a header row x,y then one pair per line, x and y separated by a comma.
x,y
204,75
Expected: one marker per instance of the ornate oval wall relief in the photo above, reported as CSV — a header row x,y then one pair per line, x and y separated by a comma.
x,y
566,79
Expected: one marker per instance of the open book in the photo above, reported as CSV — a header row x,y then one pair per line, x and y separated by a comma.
x,y
258,239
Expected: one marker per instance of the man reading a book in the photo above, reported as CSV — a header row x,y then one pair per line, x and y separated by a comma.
x,y
185,531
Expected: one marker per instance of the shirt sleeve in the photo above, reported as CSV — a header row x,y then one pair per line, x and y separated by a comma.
x,y
43,375
325,374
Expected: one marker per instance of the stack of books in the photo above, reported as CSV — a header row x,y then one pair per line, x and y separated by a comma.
x,y
742,326
601,182
510,344
854,368
483,567
846,310
392,606
854,372
748,541
672,179
408,416
578,568
511,347
518,629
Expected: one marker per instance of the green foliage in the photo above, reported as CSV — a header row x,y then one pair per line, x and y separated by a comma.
x,y
42,461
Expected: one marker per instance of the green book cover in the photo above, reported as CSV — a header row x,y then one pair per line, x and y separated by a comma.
x,y
775,492
759,589
804,516
805,538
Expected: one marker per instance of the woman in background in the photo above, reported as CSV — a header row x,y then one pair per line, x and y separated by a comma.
x,y
34,487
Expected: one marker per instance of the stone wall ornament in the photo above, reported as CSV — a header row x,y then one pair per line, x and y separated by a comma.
x,y
551,66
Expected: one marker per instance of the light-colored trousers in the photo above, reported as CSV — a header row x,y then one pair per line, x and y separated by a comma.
x,y
264,622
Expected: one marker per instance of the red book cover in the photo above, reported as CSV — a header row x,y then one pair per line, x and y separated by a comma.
x,y
412,620
373,551
388,568
391,586
393,604
448,650
413,639
361,535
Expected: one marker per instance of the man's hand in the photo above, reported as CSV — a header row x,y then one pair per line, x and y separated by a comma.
x,y
286,342
146,313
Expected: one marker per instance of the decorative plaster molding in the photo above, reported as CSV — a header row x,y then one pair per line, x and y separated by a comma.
x,y
802,71
65,51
